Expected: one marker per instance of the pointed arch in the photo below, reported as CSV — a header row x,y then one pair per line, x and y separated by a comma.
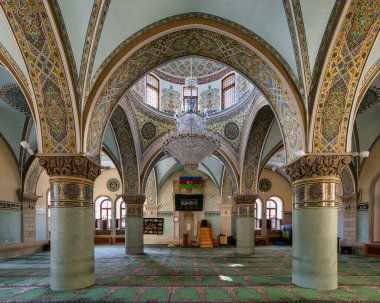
x,y
200,37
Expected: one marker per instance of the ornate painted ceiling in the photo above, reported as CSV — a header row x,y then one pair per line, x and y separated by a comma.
x,y
204,70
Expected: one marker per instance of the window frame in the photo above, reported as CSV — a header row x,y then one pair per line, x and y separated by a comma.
x,y
156,89
223,89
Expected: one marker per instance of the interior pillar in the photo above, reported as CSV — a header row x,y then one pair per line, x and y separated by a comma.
x,y
72,219
245,223
29,217
349,219
315,229
134,237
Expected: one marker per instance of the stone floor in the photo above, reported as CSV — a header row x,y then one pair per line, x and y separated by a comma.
x,y
192,274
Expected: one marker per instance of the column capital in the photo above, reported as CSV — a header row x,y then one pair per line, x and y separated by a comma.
x,y
137,200
69,165
29,198
244,199
317,165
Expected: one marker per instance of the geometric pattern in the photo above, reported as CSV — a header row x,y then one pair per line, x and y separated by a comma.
x,y
124,138
13,96
348,181
208,44
178,274
259,129
35,36
370,99
32,176
352,47
204,70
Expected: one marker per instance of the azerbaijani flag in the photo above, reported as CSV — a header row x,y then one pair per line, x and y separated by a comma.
x,y
190,182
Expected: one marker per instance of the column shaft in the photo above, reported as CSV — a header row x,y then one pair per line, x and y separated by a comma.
x,y
134,237
72,220
315,215
245,224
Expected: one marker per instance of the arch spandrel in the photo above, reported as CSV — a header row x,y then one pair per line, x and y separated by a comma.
x,y
196,42
336,99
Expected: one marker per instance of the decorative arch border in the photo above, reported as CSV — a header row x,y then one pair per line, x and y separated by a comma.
x,y
251,165
32,176
336,98
205,38
50,75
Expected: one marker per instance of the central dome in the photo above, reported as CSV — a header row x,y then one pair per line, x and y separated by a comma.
x,y
203,69
216,87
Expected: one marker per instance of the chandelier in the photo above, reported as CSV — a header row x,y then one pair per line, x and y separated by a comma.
x,y
190,144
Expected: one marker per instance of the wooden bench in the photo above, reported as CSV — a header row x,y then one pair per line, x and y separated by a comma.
x,y
372,250
261,240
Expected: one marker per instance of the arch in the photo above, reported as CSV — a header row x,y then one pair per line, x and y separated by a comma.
x,y
337,88
59,132
124,138
258,133
203,38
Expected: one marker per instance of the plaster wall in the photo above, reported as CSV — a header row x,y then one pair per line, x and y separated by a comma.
x,y
10,220
280,188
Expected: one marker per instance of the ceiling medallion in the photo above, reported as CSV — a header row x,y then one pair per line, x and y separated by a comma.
x,y
231,131
113,184
190,144
148,130
265,185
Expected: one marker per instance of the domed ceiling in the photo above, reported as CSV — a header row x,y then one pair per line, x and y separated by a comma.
x,y
204,70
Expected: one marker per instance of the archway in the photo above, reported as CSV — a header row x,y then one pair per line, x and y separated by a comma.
x,y
127,67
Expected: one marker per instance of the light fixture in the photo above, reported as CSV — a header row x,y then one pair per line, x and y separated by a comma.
x,y
190,143
25,145
362,154
274,168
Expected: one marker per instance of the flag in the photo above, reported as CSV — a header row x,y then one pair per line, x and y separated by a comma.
x,y
190,182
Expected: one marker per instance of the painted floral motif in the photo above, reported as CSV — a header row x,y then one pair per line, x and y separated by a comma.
x,y
231,131
170,100
210,100
352,46
243,88
148,130
205,43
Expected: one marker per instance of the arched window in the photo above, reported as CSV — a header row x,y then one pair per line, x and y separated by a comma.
x,y
120,213
271,209
152,91
103,213
228,91
258,210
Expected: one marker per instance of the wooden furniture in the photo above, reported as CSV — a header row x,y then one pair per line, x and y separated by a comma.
x,y
205,237
372,250
222,239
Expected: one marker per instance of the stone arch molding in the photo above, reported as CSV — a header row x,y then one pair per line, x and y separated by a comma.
x,y
136,59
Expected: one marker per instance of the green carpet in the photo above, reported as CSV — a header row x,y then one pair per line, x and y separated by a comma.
x,y
189,275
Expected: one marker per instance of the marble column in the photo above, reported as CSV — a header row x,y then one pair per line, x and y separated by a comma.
x,y
226,218
72,179
245,223
349,219
134,237
29,217
315,179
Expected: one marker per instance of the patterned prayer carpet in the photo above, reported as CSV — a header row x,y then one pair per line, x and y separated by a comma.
x,y
189,275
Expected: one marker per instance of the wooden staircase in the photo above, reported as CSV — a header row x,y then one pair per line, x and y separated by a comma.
x,y
205,237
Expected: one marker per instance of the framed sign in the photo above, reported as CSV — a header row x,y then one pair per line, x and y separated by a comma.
x,y
188,202
153,226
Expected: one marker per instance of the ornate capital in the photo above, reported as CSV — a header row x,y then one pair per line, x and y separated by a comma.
x,y
69,165
317,165
136,200
245,199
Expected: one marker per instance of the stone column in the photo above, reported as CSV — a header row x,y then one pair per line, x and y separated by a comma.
x,y
315,179
349,219
134,237
29,217
245,223
226,218
72,179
